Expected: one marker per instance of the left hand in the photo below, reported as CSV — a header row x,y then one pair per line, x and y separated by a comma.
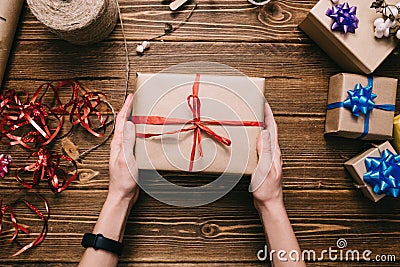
x,y
123,168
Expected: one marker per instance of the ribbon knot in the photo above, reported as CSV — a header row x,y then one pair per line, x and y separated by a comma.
x,y
359,101
383,173
343,18
196,124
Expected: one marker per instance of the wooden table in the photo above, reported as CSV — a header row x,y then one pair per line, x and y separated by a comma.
x,y
321,201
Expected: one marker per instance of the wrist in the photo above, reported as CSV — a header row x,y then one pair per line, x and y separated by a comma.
x,y
269,205
119,200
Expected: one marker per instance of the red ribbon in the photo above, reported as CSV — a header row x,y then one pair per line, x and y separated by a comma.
x,y
197,125
47,168
44,216
27,123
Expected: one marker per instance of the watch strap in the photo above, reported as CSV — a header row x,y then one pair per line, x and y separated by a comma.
x,y
98,241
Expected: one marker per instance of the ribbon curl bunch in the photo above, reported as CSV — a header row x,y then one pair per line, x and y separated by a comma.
x,y
33,124
383,173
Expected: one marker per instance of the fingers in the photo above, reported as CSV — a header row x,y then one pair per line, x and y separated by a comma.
x,y
129,137
128,144
264,160
264,143
123,115
270,123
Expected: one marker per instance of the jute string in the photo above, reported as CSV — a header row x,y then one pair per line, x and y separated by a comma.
x,y
79,22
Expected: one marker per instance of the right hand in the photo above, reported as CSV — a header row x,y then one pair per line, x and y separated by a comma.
x,y
266,180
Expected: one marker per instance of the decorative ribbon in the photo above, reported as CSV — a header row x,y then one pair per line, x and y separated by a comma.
x,y
47,166
5,161
27,122
197,125
360,100
44,216
343,18
383,173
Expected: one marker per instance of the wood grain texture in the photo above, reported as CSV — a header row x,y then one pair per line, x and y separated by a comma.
x,y
310,160
230,228
212,21
322,203
296,74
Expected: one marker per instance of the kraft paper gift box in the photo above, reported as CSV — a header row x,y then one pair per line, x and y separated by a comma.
x,y
358,52
375,124
9,16
358,169
223,98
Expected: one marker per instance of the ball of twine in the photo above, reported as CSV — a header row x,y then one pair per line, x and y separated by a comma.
x,y
79,22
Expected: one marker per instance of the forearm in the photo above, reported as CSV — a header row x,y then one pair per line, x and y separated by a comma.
x,y
111,224
280,235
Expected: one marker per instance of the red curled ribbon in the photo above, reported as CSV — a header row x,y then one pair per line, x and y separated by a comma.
x,y
47,168
27,123
197,125
44,216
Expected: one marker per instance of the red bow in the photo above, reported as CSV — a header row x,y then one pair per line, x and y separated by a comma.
x,y
197,125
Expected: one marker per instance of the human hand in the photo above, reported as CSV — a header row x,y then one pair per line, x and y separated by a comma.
x,y
122,165
266,180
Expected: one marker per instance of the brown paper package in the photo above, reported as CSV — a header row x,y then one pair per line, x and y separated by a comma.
x,y
356,168
9,16
222,98
360,52
342,122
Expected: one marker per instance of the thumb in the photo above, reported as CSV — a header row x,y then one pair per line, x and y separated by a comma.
x,y
264,160
264,144
128,139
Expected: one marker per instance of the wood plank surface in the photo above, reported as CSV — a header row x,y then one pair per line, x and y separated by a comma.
x,y
230,228
224,20
322,203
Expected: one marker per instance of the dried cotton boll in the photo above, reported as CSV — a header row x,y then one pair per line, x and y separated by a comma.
x,y
381,27
398,5
390,23
139,48
378,21
398,34
390,10
386,32
146,44
378,34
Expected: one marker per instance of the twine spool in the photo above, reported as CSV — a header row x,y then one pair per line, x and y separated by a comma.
x,y
79,22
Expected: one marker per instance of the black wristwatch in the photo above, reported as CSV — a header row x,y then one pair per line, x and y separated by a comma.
x,y
100,242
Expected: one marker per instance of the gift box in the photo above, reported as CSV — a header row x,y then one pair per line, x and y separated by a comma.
x,y
361,106
188,122
9,16
396,133
376,172
358,52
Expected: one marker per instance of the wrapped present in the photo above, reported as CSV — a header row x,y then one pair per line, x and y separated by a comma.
x,y
346,33
396,133
376,172
9,16
360,106
205,123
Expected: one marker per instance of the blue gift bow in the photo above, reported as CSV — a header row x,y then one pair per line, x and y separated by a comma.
x,y
343,18
361,100
383,173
